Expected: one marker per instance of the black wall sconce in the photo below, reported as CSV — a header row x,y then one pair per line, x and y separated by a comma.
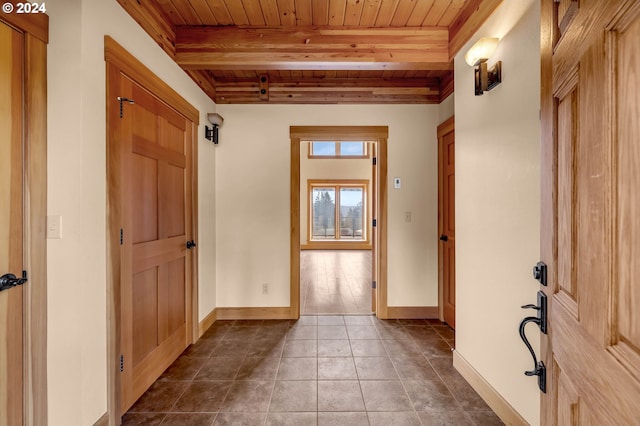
x,y
211,133
485,78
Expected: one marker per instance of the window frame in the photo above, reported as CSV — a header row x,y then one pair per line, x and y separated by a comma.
x,y
338,155
337,185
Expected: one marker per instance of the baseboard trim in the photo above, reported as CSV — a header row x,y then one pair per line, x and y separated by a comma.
x,y
207,322
102,421
498,404
265,313
412,312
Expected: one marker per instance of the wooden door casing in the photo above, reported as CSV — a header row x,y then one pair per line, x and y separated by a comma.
x,y
11,223
446,219
590,233
374,233
151,156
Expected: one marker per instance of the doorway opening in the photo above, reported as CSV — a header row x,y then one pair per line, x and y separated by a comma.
x,y
338,220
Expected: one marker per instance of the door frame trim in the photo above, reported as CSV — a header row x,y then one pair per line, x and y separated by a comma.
x,y
36,37
120,61
378,134
445,127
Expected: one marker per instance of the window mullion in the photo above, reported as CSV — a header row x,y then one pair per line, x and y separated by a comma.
x,y
338,230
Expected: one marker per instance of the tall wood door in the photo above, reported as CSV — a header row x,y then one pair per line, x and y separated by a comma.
x,y
447,218
11,224
374,229
156,212
591,134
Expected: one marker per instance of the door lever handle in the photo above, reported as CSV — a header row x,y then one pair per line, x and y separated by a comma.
x,y
539,368
444,238
541,307
191,244
8,281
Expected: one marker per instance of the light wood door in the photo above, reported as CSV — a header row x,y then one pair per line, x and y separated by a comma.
x,y
156,205
447,218
591,134
374,230
11,224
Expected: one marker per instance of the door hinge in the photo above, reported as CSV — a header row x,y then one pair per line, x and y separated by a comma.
x,y
121,236
121,100
121,363
373,285
375,161
375,223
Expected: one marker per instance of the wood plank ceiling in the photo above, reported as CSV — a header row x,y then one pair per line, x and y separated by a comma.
x,y
315,51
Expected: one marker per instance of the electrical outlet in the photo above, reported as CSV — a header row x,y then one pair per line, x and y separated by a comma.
x,y
265,288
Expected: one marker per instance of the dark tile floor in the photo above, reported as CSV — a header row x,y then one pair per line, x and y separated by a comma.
x,y
319,370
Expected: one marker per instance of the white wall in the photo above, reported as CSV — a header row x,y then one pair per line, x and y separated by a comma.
x,y
497,206
77,365
326,168
252,196
447,108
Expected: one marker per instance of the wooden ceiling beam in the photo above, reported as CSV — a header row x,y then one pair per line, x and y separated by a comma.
x,y
330,90
469,20
154,21
312,48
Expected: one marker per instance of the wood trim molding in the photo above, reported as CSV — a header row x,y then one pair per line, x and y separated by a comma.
x,y
36,29
35,24
470,19
412,312
134,69
338,243
154,22
343,133
266,313
207,322
378,134
121,62
36,244
498,404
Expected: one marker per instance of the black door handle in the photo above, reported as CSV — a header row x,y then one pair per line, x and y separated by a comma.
x,y
8,281
539,369
191,244
444,238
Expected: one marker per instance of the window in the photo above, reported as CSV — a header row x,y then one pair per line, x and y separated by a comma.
x,y
337,210
338,149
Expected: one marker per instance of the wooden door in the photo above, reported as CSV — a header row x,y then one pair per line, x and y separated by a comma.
x,y
156,213
447,219
590,211
374,215
11,223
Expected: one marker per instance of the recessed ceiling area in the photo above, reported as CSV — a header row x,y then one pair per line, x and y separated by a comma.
x,y
315,51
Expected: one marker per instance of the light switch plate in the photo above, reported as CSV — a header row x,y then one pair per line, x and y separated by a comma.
x,y
397,183
54,227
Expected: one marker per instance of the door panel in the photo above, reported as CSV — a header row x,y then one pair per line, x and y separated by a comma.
x,y
11,224
156,143
447,219
594,317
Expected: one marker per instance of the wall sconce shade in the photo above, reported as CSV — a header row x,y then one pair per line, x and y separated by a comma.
x,y
481,50
485,78
211,133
